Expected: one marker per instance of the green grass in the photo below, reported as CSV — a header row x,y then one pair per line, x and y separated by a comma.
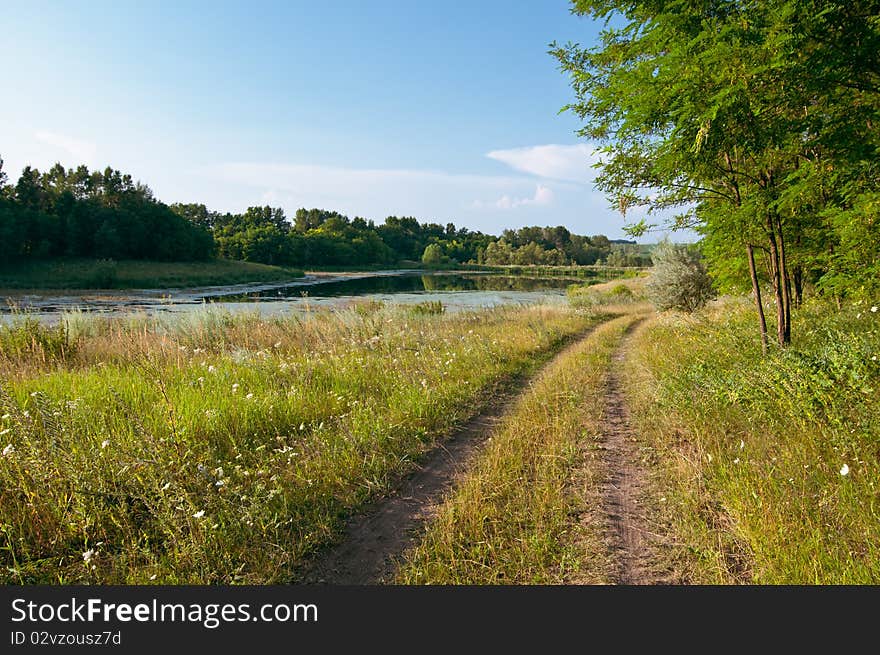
x,y
218,448
527,512
750,452
63,274
626,295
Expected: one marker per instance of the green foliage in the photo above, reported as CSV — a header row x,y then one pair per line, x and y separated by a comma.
x,y
104,274
433,255
67,273
756,120
427,308
84,213
679,279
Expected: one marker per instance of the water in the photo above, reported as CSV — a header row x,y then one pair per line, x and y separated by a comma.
x,y
456,291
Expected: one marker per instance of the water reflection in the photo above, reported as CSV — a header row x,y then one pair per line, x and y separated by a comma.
x,y
401,284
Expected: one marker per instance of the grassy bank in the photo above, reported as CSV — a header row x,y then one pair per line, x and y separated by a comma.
x,y
767,467
215,448
528,510
135,274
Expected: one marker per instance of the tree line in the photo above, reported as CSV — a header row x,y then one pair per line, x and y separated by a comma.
x,y
106,214
758,121
83,213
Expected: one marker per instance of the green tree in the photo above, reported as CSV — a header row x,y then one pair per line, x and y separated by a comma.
x,y
713,107
433,255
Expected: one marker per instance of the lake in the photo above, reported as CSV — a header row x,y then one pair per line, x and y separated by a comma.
x,y
456,290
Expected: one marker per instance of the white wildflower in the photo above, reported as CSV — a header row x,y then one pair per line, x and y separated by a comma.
x,y
249,396
9,449
166,486
736,461
199,514
212,368
742,444
874,309
844,470
235,387
153,577
88,555
105,443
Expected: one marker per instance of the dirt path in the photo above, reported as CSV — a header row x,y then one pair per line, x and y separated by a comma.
x,y
376,538
625,483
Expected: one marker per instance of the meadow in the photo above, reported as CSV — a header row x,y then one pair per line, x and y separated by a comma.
x,y
765,469
216,448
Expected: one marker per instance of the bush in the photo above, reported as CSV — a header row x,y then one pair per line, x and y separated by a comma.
x,y
428,308
104,274
679,279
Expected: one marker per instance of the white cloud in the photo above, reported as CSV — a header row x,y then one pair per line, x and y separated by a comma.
x,y
543,196
373,193
504,201
83,152
570,163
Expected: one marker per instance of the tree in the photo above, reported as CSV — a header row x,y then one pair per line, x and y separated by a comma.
x,y
433,255
713,107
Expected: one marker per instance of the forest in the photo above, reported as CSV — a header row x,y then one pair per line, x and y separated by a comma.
x,y
107,215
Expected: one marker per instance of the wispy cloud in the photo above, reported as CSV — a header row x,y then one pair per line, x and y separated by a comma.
x,y
374,192
572,163
83,152
543,196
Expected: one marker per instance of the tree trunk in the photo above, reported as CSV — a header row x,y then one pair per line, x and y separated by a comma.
x,y
798,279
776,276
756,290
785,279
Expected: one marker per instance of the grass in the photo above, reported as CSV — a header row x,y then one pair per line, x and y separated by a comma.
x,y
219,448
618,296
767,468
62,274
527,512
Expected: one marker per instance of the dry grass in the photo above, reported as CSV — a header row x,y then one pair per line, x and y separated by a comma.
x,y
215,448
527,511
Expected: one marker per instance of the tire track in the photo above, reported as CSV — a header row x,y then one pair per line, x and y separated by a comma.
x,y
625,483
375,539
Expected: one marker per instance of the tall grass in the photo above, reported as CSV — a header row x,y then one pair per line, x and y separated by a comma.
x,y
528,511
768,467
218,448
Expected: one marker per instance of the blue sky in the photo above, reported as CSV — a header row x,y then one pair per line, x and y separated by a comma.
x,y
447,111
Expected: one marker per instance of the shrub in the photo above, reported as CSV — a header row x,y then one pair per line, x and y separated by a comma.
x,y
428,308
104,274
679,279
